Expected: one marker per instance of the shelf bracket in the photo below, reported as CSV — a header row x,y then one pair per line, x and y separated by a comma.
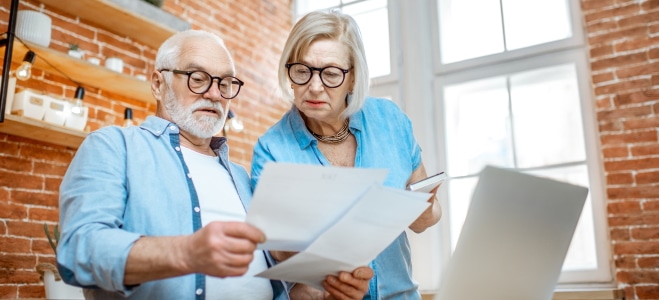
x,y
6,64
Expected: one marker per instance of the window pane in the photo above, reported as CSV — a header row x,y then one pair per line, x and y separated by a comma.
x,y
582,254
373,19
372,16
547,117
460,192
477,126
466,32
531,23
303,7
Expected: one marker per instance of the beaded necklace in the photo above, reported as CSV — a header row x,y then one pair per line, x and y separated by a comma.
x,y
337,138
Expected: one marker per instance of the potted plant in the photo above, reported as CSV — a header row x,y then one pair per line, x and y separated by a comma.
x,y
75,51
156,3
56,288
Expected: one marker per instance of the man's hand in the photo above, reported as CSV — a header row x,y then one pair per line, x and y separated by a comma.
x,y
223,249
280,256
218,249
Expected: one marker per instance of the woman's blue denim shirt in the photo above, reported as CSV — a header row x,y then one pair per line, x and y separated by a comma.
x,y
384,141
124,183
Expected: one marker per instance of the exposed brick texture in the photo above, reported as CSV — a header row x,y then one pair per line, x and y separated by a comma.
x,y
623,43
623,38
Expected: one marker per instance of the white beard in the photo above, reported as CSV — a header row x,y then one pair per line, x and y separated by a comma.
x,y
202,126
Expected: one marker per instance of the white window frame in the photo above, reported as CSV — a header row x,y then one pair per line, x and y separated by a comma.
x,y
596,178
571,50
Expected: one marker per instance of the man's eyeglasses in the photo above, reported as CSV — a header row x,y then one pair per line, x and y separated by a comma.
x,y
200,82
331,77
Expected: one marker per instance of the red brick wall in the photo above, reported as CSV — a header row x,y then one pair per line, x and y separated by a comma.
x,y
624,48
31,171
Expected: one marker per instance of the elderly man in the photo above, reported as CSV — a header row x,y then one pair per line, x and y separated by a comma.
x,y
157,211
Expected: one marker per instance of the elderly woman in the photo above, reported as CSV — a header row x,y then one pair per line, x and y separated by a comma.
x,y
333,123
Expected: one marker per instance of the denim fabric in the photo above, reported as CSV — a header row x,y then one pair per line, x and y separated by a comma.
x,y
124,183
385,141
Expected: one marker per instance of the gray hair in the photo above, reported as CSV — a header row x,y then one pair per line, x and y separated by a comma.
x,y
333,25
170,51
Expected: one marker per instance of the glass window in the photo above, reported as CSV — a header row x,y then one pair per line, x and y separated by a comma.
x,y
528,120
372,16
498,26
511,82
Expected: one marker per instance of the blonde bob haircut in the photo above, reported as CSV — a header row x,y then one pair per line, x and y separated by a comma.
x,y
333,25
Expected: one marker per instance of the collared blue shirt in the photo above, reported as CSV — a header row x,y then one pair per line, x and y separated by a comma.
x,y
384,141
124,183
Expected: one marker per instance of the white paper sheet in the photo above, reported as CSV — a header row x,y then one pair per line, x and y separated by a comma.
x,y
293,203
362,219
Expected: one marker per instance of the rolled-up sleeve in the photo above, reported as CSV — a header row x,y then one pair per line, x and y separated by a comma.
x,y
93,248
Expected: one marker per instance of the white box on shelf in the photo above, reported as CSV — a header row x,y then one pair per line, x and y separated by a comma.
x,y
57,111
29,104
77,119
11,88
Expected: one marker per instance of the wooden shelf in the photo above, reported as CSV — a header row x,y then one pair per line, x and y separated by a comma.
x,y
42,131
84,72
111,16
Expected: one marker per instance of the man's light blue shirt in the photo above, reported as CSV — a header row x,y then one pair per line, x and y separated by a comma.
x,y
124,183
384,141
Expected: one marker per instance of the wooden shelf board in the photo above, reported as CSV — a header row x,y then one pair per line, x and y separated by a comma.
x,y
85,73
42,131
115,19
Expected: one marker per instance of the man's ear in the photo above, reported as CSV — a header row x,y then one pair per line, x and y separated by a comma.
x,y
157,85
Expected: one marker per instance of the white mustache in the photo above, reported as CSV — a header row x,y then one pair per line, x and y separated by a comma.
x,y
205,104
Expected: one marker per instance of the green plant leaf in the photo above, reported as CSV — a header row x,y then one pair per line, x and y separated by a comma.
x,y
53,242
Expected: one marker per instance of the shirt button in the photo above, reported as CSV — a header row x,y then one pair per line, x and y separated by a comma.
x,y
172,127
199,291
196,209
189,176
178,148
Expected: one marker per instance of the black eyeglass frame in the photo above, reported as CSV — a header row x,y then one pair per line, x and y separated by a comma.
x,y
320,72
219,79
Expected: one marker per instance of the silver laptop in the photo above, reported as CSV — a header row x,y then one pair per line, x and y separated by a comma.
x,y
514,239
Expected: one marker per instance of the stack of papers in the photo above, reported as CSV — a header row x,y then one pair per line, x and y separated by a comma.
x,y
336,218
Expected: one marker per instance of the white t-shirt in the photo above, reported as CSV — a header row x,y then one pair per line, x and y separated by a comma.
x,y
219,201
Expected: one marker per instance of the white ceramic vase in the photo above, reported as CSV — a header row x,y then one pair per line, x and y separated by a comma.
x,y
57,289
33,26
76,53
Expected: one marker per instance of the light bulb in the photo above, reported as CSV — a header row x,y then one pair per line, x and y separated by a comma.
x,y
25,70
236,124
128,117
77,107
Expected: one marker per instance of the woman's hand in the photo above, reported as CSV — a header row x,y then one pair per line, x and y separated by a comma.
x,y
345,286
348,285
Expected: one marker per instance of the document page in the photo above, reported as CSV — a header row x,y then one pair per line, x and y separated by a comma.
x,y
294,203
344,226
